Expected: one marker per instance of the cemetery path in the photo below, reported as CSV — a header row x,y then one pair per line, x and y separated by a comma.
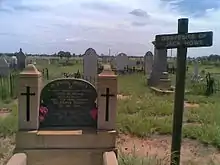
x,y
159,147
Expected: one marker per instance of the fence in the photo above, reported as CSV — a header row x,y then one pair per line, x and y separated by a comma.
x,y
8,86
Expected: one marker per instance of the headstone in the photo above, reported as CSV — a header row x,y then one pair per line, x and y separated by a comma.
x,y
196,69
69,103
90,66
159,67
13,62
121,61
4,67
148,62
21,60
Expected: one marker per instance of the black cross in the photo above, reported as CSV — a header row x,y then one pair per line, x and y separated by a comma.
x,y
28,94
107,95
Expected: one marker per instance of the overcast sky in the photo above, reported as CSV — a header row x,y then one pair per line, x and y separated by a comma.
x,y
129,26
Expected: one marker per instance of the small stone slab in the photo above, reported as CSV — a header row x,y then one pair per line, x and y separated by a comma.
x,y
160,91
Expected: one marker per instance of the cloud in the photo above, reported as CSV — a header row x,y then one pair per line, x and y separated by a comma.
x,y
103,6
18,5
124,26
139,13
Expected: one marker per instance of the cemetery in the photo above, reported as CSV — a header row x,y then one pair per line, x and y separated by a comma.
x,y
112,110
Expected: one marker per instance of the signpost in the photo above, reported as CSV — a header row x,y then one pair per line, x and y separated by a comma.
x,y
181,41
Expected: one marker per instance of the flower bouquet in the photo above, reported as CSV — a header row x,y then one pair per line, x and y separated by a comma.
x,y
42,113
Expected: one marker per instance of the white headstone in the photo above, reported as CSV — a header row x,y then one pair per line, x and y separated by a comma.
x,y
4,67
90,66
196,68
122,61
148,62
14,60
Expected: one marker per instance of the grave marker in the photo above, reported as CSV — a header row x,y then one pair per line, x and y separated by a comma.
x,y
28,94
198,39
21,60
181,41
69,103
90,66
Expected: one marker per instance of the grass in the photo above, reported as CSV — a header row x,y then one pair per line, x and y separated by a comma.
x,y
144,113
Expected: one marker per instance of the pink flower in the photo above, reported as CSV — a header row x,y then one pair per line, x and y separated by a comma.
x,y
42,113
94,113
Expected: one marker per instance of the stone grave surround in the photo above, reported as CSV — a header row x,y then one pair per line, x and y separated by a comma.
x,y
67,135
90,66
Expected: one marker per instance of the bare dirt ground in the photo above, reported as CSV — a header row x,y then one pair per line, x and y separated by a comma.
x,y
6,148
156,146
160,146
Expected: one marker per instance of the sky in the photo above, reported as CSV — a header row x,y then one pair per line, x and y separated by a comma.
x,y
128,26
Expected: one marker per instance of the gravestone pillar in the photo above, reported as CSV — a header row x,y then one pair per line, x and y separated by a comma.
x,y
29,98
107,99
159,67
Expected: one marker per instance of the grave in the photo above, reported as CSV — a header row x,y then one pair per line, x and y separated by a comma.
x,y
121,62
148,62
72,130
159,77
90,66
4,67
195,76
13,62
21,57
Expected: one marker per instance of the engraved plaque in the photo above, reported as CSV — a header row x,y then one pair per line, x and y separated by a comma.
x,y
69,103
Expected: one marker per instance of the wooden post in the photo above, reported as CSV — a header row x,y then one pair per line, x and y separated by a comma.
x,y
179,96
181,41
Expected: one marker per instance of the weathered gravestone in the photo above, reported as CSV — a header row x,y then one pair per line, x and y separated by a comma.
x,y
90,66
148,62
21,59
69,103
182,40
195,71
122,61
159,77
4,67
14,62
